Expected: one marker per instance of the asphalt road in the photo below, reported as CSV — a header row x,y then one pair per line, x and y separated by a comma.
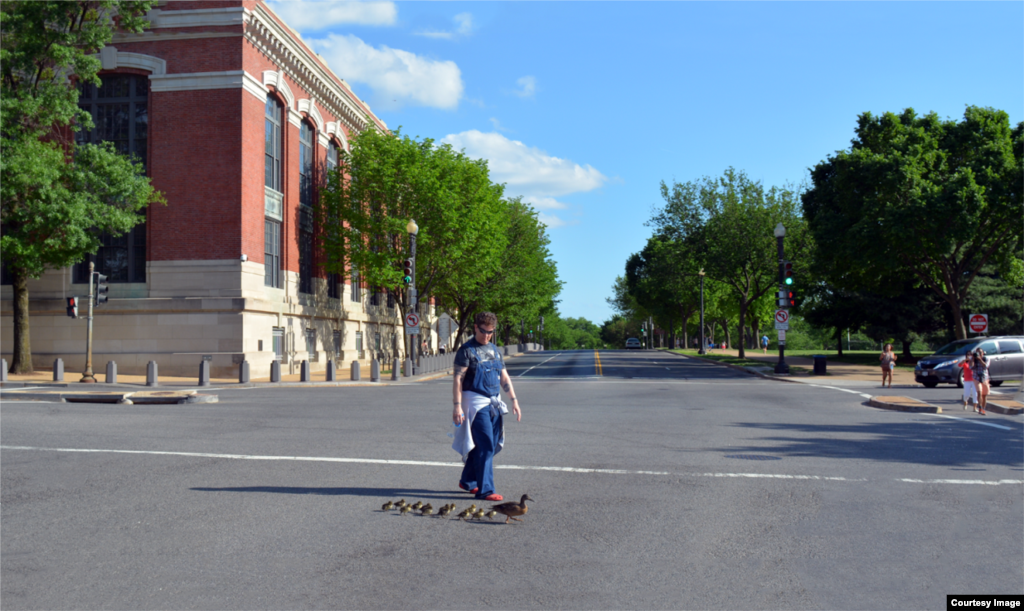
x,y
660,482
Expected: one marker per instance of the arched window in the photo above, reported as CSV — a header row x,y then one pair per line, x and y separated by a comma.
x,y
272,179
120,114
306,194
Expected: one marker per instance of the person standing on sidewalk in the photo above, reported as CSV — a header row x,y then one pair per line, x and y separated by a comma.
x,y
480,375
981,377
888,359
764,343
969,391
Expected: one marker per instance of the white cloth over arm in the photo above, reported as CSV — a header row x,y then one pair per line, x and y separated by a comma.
x,y
473,403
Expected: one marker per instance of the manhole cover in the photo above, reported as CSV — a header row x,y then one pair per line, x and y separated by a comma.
x,y
752,457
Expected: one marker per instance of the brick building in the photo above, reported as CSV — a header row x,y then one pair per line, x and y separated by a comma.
x,y
236,120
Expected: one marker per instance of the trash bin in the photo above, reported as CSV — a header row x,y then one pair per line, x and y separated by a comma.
x,y
819,364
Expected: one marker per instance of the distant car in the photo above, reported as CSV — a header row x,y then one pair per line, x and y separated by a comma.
x,y
632,343
1005,361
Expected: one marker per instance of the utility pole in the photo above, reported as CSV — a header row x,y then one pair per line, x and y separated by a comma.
x,y
87,376
701,349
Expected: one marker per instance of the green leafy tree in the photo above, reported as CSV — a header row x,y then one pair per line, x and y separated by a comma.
x,y
935,199
56,197
730,222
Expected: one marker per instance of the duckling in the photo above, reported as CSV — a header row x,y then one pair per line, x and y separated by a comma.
x,y
417,505
479,514
464,515
405,509
472,507
400,504
490,514
511,509
451,507
444,511
387,506
426,510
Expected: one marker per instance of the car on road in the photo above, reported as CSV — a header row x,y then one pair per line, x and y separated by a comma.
x,y
632,344
1005,361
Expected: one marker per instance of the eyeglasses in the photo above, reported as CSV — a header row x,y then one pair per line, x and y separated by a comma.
x,y
485,331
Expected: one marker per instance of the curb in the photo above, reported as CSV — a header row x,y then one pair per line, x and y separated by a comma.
x,y
169,397
1008,410
903,404
749,370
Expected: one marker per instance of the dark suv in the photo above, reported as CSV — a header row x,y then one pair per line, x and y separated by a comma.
x,y
1005,361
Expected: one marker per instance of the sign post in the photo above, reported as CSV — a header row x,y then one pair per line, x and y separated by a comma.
x,y
782,312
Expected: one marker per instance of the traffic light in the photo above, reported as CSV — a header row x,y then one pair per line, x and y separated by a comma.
x,y
787,274
101,289
73,307
785,298
407,271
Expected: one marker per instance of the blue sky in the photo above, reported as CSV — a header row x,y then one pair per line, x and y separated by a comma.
x,y
583,108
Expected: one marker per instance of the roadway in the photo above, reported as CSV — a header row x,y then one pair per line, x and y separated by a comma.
x,y
660,482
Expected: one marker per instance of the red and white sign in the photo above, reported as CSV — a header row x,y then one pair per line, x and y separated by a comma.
x,y
781,315
412,323
978,323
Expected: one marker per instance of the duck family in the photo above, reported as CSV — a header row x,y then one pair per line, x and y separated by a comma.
x,y
511,510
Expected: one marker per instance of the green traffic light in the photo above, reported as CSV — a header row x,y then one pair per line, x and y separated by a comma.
x,y
789,281
407,280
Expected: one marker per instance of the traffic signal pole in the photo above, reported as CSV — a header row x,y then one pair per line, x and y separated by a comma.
x,y
87,376
781,366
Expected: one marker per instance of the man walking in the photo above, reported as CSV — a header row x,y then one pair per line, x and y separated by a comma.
x,y
480,376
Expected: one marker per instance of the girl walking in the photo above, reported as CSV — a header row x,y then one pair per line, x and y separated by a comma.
x,y
888,359
981,378
970,392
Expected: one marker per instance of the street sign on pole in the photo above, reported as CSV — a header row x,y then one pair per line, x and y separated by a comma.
x,y
445,328
978,323
412,324
782,320
782,335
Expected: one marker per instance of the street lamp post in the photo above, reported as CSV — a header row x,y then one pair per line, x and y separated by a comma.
x,y
412,228
701,350
780,235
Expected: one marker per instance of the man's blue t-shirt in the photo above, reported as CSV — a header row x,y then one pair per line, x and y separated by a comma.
x,y
465,358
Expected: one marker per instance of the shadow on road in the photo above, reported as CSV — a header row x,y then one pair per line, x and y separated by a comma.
x,y
374,492
926,442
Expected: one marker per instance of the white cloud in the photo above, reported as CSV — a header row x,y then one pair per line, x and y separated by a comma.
x,y
497,125
527,87
397,77
463,27
553,222
526,170
305,15
529,171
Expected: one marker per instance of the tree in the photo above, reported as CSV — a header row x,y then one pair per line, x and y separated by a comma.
x,y
730,222
57,197
935,199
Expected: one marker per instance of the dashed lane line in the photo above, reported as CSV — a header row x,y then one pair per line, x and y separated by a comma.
x,y
427,463
536,366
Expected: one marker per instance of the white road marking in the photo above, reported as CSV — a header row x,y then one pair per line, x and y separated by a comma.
x,y
991,424
865,396
537,365
428,463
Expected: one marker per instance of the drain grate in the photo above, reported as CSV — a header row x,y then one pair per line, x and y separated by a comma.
x,y
753,457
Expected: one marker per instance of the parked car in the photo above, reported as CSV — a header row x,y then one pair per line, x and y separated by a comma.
x,y
1005,361
632,343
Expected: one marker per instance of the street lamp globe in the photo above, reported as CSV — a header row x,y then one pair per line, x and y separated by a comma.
x,y
780,231
412,227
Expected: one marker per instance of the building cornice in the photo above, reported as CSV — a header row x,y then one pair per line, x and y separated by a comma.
x,y
282,47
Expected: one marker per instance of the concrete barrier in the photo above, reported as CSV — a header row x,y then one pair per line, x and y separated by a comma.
x,y
304,374
111,372
375,370
58,370
243,372
204,373
275,371
355,371
152,374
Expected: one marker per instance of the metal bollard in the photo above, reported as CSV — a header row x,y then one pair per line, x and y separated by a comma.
x,y
204,373
111,372
3,370
243,372
58,370
331,373
355,371
375,371
407,368
304,372
151,374
275,371
394,369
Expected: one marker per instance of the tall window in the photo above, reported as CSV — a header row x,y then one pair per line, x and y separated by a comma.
x,y
272,179
332,156
272,168
271,253
120,114
306,195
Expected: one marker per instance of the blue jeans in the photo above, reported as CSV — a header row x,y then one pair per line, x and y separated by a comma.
x,y
479,469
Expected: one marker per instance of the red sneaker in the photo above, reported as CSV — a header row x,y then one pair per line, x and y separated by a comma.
x,y
493,497
466,488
